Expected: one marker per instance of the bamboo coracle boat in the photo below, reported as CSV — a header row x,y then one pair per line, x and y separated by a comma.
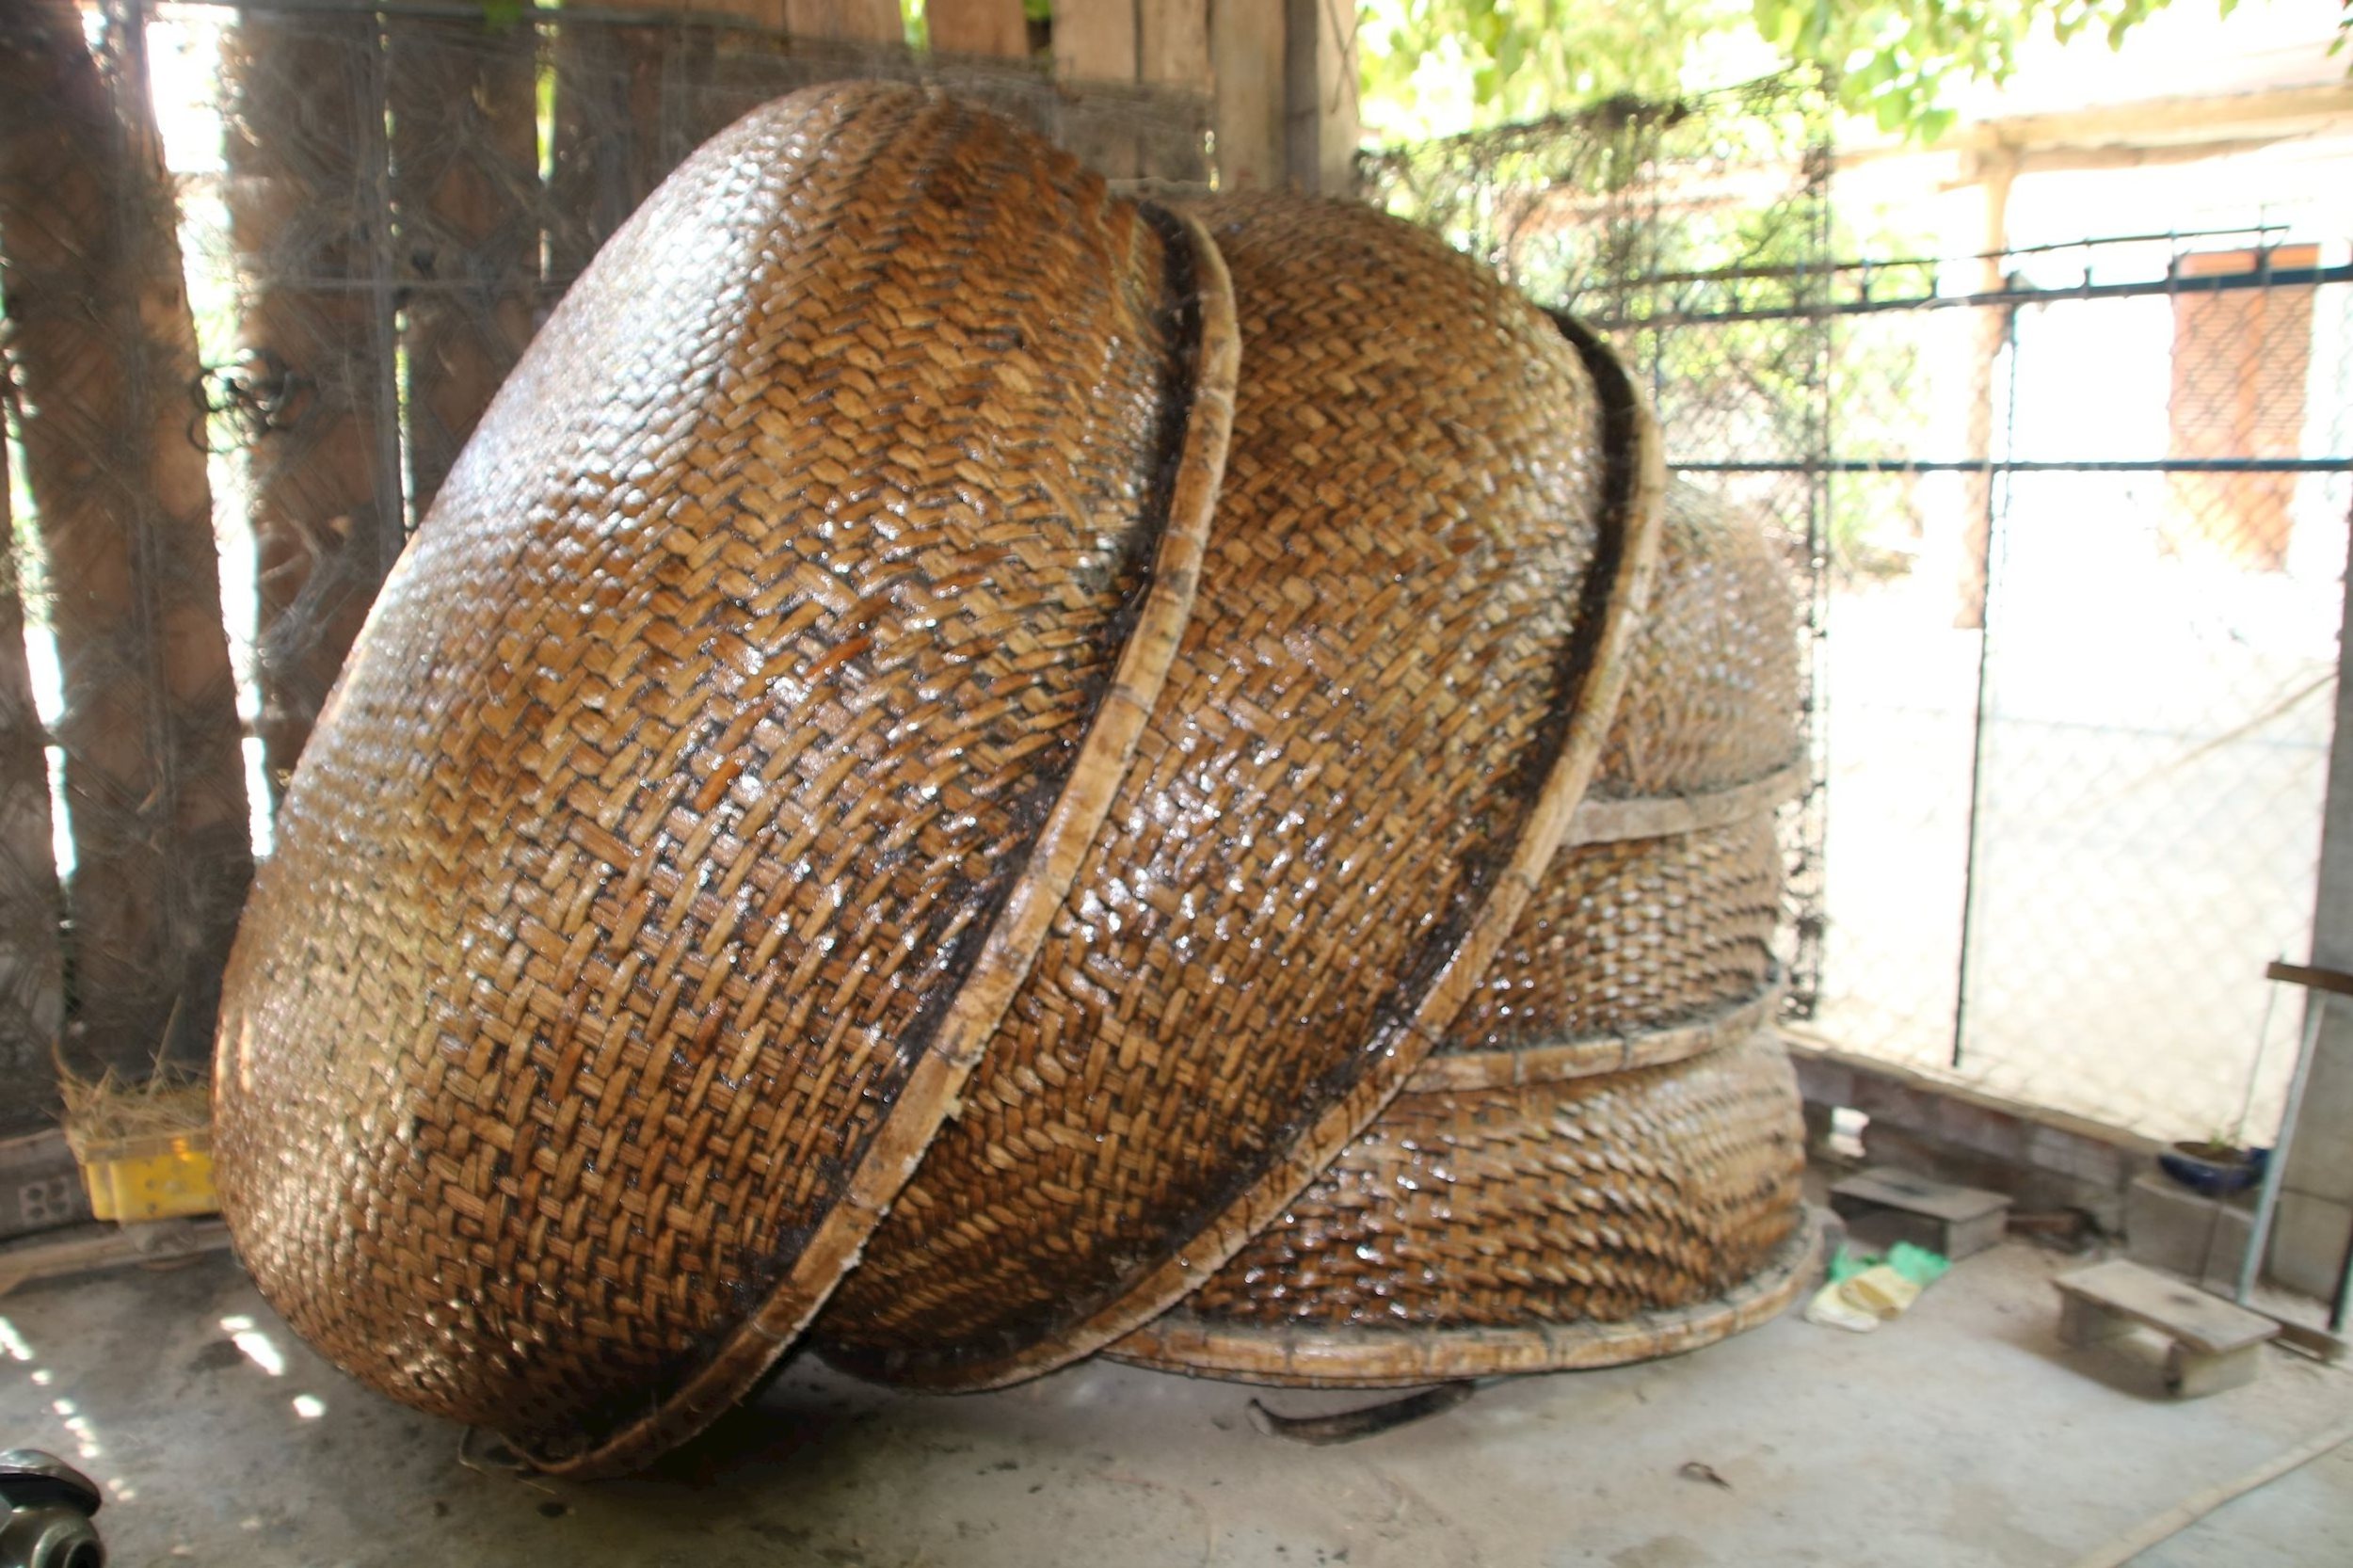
x,y
949,744
1600,1162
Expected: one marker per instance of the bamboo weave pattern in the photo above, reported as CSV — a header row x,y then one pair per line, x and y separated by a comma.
x,y
846,661
1517,1209
1361,716
663,810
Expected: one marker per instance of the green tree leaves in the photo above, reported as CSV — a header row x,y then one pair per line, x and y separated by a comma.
x,y
1434,67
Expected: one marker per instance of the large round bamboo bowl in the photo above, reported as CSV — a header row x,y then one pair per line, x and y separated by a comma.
x,y
707,770
1221,1006
843,649
1601,1161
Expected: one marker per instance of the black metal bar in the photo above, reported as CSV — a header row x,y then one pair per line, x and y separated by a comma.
x,y
1996,517
1867,264
1997,464
2264,277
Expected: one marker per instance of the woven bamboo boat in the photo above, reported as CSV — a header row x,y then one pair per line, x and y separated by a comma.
x,y
1601,1161
1549,1227
800,697
1185,1058
707,772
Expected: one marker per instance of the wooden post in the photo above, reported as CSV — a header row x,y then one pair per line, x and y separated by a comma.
x,y
1246,58
848,21
1096,40
1320,94
310,210
1173,44
103,358
993,27
1172,52
32,998
1996,169
464,178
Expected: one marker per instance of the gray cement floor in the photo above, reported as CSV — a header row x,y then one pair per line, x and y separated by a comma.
x,y
1960,1435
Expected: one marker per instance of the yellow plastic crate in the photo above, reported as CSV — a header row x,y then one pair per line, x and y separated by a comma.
x,y
149,1179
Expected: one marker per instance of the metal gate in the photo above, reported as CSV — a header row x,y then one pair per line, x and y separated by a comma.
x,y
2072,523
2088,537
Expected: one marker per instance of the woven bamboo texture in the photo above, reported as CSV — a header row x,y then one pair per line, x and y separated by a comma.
x,y
1662,906
706,773
1595,1200
1362,758
800,695
1712,698
1609,1131
1350,1357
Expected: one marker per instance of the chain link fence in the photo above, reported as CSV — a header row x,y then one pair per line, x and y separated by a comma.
x,y
2072,521
1696,234
264,265
2086,582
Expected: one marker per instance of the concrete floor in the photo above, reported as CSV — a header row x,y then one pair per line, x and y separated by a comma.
x,y
1960,1435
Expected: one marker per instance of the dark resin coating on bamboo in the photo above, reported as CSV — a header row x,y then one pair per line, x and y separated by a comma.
x,y
1427,509
707,769
1601,1162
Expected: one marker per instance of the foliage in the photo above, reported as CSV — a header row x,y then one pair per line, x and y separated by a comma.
x,y
1894,56
1434,67
1439,67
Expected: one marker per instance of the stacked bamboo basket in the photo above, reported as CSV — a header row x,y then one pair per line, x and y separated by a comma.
x,y
980,772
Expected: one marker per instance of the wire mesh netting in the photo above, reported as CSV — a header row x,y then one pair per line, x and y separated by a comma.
x,y
265,265
2072,519
1644,218
2084,641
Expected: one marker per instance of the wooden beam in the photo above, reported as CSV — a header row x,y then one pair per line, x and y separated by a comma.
x,y
103,352
2191,127
992,27
2167,122
846,21
2310,976
1096,40
1320,88
1247,62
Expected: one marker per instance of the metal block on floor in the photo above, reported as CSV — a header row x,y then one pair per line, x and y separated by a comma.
x,y
1883,1206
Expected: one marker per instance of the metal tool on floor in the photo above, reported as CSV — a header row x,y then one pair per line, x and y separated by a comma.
x,y
50,1510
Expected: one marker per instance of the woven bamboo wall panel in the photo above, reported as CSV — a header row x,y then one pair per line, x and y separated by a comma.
x,y
1357,727
1595,1199
662,817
